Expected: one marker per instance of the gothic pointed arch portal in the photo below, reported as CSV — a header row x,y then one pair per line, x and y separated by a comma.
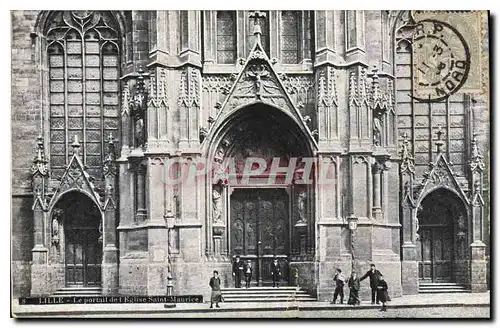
x,y
442,229
259,216
76,229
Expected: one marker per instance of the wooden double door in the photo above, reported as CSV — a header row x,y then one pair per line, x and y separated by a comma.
x,y
260,229
82,241
436,253
83,257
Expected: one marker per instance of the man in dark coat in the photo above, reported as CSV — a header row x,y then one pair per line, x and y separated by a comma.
x,y
276,272
339,286
382,294
353,284
237,272
373,274
216,294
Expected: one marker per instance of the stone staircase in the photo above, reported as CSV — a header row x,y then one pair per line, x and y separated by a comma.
x,y
266,294
438,288
78,291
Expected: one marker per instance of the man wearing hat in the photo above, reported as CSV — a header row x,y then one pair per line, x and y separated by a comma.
x,y
374,275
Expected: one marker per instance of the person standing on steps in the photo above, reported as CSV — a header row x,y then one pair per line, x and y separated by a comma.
x,y
353,285
276,272
373,274
339,280
248,273
216,295
237,272
382,294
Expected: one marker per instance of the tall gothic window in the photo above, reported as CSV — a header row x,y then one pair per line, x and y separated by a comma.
x,y
226,37
421,120
83,61
290,37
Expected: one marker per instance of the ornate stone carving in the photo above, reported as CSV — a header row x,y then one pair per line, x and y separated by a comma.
x,y
55,227
39,167
476,163
189,89
109,165
327,88
158,92
407,161
137,106
217,83
301,206
299,87
75,177
217,204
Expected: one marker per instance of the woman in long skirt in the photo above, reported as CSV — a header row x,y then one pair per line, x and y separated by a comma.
x,y
382,293
353,284
216,295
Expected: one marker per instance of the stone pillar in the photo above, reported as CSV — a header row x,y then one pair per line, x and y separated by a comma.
x,y
478,266
409,264
110,250
377,191
39,268
141,212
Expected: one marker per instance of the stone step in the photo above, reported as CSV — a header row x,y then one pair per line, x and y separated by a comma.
x,y
78,291
272,299
432,284
249,295
442,291
441,287
264,292
264,288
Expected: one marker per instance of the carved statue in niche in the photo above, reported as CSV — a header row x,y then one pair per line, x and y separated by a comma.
x,y
417,227
55,225
217,204
250,234
377,128
238,236
139,130
301,200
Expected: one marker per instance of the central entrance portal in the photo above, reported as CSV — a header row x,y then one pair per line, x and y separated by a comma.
x,y
260,229
83,241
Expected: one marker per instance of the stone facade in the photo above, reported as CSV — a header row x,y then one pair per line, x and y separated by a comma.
x,y
337,81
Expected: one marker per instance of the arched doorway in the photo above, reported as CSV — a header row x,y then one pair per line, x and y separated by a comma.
x,y
82,240
263,209
442,231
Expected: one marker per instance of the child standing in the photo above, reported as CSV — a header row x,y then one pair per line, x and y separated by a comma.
x,y
382,294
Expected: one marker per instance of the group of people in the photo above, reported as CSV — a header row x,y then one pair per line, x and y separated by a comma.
x,y
244,270
378,287
241,269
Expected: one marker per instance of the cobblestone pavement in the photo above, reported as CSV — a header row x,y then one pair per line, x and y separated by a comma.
x,y
411,306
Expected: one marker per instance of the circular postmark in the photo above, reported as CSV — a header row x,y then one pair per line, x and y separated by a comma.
x,y
441,60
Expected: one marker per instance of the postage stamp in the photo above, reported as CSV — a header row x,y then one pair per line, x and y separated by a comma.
x,y
450,53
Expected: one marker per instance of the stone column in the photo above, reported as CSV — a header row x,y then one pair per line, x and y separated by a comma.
x,y
478,266
141,212
377,203
39,268
110,250
409,265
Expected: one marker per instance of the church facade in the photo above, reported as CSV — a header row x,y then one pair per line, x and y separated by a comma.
x,y
152,147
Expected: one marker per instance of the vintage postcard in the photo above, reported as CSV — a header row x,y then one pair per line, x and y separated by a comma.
x,y
250,164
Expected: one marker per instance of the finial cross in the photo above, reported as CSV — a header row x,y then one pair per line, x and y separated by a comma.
x,y
256,16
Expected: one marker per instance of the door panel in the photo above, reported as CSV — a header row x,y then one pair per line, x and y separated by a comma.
x,y
260,228
436,245
83,257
